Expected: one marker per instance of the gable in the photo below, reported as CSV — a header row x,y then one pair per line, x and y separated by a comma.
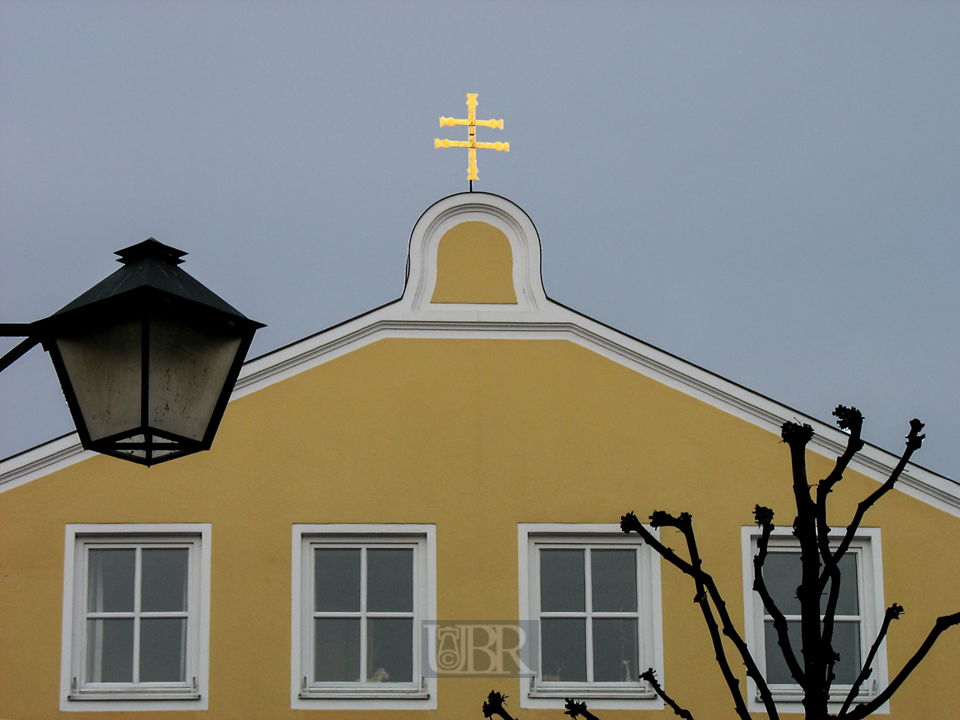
x,y
461,287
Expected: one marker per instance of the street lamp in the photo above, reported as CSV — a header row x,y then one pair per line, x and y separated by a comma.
x,y
147,358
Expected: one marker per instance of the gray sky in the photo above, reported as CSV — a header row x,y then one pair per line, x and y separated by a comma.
x,y
769,190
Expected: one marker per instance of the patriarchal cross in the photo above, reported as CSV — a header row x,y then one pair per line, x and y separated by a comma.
x,y
471,122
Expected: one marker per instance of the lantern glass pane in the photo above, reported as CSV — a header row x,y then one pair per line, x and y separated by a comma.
x,y
103,369
189,365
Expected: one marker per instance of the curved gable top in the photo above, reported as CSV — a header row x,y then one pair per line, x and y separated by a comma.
x,y
457,259
477,268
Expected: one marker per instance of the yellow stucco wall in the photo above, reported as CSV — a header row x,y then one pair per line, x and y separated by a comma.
x,y
474,436
474,265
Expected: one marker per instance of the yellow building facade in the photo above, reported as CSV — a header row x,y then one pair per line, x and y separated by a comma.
x,y
420,505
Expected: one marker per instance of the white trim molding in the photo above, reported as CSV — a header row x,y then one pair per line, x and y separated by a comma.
x,y
534,317
81,694
305,694
42,460
467,207
591,537
867,553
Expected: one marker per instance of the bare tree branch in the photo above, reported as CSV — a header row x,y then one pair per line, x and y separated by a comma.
x,y
829,621
914,441
942,624
764,518
851,420
578,709
494,706
893,613
651,678
831,572
707,590
731,632
805,529
630,522
819,566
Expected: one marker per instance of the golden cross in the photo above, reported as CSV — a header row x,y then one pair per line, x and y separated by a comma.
x,y
471,122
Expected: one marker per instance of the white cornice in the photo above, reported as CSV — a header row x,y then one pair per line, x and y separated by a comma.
x,y
42,460
553,322
541,319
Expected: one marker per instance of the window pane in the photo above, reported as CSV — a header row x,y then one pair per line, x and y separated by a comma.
x,y
337,581
163,581
111,579
777,670
615,650
614,580
163,643
336,650
849,601
390,580
563,648
846,641
782,572
110,650
782,575
390,650
561,581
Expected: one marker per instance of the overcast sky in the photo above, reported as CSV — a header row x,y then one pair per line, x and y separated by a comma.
x,y
768,190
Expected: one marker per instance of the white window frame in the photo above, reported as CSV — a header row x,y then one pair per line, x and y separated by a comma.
x,y
78,695
533,692
419,695
867,549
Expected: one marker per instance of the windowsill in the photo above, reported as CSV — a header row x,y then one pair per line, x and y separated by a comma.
x,y
789,698
365,695
600,697
598,692
367,698
794,694
127,695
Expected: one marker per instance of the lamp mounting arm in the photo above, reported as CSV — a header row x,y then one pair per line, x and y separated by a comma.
x,y
17,330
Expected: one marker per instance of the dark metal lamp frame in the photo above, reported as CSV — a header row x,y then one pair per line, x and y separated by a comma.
x,y
149,285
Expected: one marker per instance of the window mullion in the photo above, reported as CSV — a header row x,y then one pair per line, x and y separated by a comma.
x,y
193,584
83,651
588,608
363,614
160,614
415,644
137,579
336,614
642,661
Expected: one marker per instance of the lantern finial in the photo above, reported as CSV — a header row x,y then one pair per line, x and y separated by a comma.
x,y
151,249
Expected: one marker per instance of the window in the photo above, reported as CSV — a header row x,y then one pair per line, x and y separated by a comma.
x,y
136,611
858,616
361,594
593,596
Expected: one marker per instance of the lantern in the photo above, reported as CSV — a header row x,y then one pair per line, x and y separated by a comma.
x,y
147,358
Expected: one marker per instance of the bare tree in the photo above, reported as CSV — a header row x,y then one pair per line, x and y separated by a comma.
x,y
812,664
494,706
